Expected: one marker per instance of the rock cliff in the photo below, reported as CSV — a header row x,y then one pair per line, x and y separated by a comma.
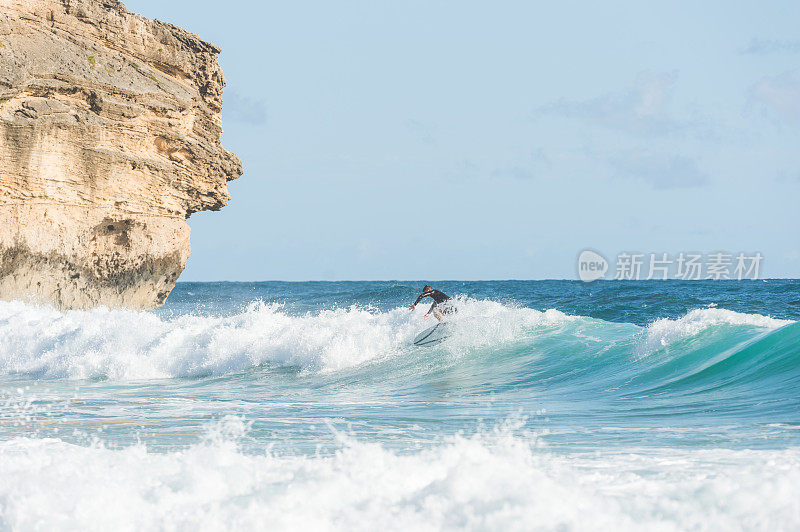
x,y
109,139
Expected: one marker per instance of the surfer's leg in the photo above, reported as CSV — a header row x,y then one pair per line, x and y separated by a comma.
x,y
438,315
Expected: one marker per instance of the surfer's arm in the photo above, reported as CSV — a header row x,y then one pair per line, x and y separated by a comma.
x,y
418,300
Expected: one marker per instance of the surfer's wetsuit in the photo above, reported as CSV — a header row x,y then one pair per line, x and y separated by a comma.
x,y
439,299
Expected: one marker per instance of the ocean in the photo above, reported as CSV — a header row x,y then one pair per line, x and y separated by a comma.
x,y
555,405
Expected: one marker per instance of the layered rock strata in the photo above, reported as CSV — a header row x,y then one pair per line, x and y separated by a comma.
x,y
109,139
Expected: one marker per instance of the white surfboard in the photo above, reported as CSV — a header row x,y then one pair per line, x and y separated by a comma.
x,y
433,335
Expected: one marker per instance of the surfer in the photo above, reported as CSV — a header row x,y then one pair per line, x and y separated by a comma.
x,y
441,302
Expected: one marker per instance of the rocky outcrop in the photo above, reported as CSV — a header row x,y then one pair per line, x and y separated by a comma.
x,y
109,139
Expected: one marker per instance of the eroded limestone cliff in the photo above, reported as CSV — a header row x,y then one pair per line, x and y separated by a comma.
x,y
109,139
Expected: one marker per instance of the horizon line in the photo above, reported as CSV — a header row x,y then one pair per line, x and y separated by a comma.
x,y
480,280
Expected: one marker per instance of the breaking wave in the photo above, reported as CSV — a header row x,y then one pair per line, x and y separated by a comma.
x,y
126,345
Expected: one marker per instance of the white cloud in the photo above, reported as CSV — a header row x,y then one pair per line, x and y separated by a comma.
x,y
661,171
770,46
780,95
642,109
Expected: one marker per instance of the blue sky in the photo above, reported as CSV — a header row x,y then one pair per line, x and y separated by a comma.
x,y
496,140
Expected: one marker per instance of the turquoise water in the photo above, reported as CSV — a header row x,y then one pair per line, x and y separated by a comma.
x,y
554,404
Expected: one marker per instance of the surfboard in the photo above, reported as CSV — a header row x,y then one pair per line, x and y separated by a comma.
x,y
433,335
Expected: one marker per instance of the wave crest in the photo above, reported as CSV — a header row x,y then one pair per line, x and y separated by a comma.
x,y
667,331
126,345
130,345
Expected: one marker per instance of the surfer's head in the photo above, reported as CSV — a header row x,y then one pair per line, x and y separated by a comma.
x,y
427,288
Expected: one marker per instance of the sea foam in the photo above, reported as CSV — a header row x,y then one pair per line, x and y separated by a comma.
x,y
126,345
497,480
